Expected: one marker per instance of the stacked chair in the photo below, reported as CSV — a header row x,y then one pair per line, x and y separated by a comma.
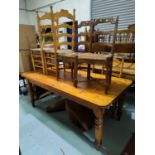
x,y
49,51
37,55
124,64
123,51
61,44
83,36
83,40
47,40
103,42
114,42
48,60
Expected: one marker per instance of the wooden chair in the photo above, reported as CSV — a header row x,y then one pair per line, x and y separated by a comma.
x,y
64,25
124,52
37,55
83,36
63,46
103,42
83,39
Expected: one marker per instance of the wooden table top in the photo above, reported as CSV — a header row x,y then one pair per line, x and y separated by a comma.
x,y
89,93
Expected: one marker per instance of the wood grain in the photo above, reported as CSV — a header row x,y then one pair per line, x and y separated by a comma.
x,y
91,93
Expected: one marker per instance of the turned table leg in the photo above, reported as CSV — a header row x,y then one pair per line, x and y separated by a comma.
x,y
98,127
31,92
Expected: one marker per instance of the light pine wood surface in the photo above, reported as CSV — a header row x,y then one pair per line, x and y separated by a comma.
x,y
91,92
88,93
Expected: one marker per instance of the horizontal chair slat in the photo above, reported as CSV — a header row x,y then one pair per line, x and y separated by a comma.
x,y
48,35
63,35
64,43
64,25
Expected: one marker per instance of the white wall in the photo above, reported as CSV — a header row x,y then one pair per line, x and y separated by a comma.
x,y
23,18
82,8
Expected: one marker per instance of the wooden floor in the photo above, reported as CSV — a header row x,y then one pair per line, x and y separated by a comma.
x,y
88,91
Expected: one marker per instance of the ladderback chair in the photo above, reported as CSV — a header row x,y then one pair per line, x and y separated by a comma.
x,y
125,51
64,15
103,41
83,42
61,44
45,39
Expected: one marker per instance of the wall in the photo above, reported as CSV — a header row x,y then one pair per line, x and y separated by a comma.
x,y
82,8
23,17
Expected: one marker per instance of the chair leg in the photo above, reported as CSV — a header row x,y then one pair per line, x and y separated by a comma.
x,y
57,70
102,70
93,68
108,75
64,67
88,72
110,72
75,71
121,69
72,71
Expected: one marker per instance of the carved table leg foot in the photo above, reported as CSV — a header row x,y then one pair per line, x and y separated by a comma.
x,y
31,92
98,127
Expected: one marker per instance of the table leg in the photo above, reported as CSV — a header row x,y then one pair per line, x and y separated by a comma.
x,y
98,126
120,107
31,92
88,72
20,91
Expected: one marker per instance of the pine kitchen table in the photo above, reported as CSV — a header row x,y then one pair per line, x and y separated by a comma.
x,y
88,93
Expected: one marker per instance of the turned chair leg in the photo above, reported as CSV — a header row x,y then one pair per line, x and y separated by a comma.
x,y
72,71
75,71
107,79
57,70
64,67
88,72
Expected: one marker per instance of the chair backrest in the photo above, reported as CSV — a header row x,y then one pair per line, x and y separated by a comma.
x,y
45,28
46,35
84,36
104,41
63,35
125,41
